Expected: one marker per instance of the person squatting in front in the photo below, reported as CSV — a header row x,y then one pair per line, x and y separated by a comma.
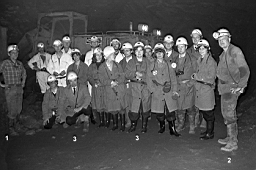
x,y
51,104
98,104
15,76
233,74
185,66
136,72
112,78
205,84
163,86
59,63
75,103
39,63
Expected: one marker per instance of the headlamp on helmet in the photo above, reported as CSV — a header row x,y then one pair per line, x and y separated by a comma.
x,y
72,76
168,39
97,50
159,47
40,45
196,31
51,78
181,41
12,48
66,39
57,43
204,43
220,33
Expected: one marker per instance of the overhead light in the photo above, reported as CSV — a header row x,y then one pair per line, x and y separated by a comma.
x,y
143,27
157,32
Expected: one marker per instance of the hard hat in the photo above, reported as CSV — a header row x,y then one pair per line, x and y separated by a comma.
x,y
168,39
127,46
115,40
196,31
108,51
94,39
138,44
57,43
66,39
159,47
220,33
97,50
12,47
181,41
203,42
51,78
148,47
40,45
72,76
75,51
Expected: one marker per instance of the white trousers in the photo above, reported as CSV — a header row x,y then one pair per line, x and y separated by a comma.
x,y
42,80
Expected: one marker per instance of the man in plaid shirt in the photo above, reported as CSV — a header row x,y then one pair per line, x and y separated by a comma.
x,y
14,77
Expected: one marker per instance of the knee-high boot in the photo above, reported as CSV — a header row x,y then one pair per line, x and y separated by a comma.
x,y
161,118
191,124
107,119
102,121
144,124
122,119
115,121
181,117
209,131
173,129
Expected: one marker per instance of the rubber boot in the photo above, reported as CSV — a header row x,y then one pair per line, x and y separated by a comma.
x,y
209,131
133,126
93,121
173,129
191,124
107,120
181,124
115,122
128,121
122,119
144,124
102,122
197,117
232,143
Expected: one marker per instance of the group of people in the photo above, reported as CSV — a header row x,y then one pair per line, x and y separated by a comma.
x,y
124,82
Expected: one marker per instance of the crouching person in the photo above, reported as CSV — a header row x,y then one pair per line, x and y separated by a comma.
x,y
50,105
75,103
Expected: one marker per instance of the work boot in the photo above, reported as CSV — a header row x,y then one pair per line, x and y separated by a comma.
x,y
144,124
133,126
122,119
191,124
173,129
162,126
232,143
107,120
101,117
181,124
209,132
115,122
226,140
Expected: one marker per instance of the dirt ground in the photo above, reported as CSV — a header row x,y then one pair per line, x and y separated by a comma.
x,y
102,149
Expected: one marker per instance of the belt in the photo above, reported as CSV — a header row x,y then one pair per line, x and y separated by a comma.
x,y
225,82
13,85
205,83
138,81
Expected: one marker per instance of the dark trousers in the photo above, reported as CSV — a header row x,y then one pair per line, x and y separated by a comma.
x,y
208,115
50,123
135,116
170,116
72,120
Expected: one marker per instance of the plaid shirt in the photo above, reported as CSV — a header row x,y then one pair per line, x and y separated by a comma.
x,y
14,73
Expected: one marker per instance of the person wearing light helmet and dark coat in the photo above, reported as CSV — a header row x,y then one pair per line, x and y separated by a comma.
x,y
15,76
39,63
112,78
127,50
184,66
59,63
168,44
75,103
233,74
163,86
98,104
205,84
136,72
196,36
51,102
66,41
116,44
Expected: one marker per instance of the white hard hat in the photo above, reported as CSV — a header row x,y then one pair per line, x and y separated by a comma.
x,y
51,78
72,76
97,50
94,39
220,33
40,45
203,42
168,39
148,47
127,46
12,47
57,43
66,39
138,44
159,47
115,40
108,51
196,31
75,51
181,41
